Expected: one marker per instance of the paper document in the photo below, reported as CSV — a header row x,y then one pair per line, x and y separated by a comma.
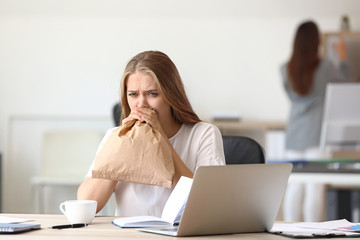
x,y
4,219
336,228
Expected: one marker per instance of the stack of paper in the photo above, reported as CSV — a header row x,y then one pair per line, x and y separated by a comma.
x,y
4,219
336,228
15,225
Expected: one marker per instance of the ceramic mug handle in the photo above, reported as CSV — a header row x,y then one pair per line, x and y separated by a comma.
x,y
62,208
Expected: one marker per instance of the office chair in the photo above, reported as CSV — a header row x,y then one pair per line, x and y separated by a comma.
x,y
242,150
116,113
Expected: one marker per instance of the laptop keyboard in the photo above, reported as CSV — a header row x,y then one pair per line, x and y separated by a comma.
x,y
170,229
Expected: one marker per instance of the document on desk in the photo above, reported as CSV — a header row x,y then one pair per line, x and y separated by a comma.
x,y
4,219
336,228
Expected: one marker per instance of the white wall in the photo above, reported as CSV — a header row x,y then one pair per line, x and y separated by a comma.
x,y
65,58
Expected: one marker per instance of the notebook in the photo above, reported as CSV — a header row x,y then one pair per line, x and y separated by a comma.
x,y
231,199
171,213
17,227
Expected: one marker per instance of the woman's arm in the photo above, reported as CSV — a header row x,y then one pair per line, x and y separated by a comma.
x,y
96,189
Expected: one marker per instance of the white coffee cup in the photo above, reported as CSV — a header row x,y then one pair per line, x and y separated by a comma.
x,y
79,211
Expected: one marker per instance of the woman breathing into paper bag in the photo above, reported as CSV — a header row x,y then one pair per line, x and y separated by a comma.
x,y
159,140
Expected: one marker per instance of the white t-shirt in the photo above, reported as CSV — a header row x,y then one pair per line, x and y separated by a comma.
x,y
197,145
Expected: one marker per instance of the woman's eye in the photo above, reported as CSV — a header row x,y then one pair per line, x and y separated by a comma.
x,y
154,94
131,94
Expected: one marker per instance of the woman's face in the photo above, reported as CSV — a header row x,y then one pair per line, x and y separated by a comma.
x,y
142,91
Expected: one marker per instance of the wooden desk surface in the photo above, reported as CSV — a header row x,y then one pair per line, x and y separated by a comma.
x,y
102,228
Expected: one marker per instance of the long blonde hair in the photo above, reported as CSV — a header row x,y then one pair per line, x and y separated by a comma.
x,y
164,72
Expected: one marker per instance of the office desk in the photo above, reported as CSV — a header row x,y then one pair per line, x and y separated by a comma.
x,y
341,180
257,130
229,126
334,173
102,228
332,180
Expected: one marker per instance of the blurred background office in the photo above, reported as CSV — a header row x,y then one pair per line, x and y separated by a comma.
x,y
305,78
61,63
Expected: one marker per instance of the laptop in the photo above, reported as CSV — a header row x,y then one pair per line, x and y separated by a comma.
x,y
229,199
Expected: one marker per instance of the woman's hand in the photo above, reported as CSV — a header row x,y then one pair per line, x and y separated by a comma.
x,y
151,117
340,48
147,115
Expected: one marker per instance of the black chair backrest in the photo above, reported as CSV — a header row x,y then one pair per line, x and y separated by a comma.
x,y
116,113
242,150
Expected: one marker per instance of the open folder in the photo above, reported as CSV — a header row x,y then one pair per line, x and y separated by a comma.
x,y
336,228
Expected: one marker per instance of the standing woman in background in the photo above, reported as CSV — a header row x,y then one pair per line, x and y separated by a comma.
x,y
305,77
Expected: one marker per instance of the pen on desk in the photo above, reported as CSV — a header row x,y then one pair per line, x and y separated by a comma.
x,y
76,225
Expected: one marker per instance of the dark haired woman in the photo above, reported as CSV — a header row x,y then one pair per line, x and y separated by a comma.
x,y
305,77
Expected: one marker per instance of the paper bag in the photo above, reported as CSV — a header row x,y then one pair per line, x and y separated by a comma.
x,y
135,152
